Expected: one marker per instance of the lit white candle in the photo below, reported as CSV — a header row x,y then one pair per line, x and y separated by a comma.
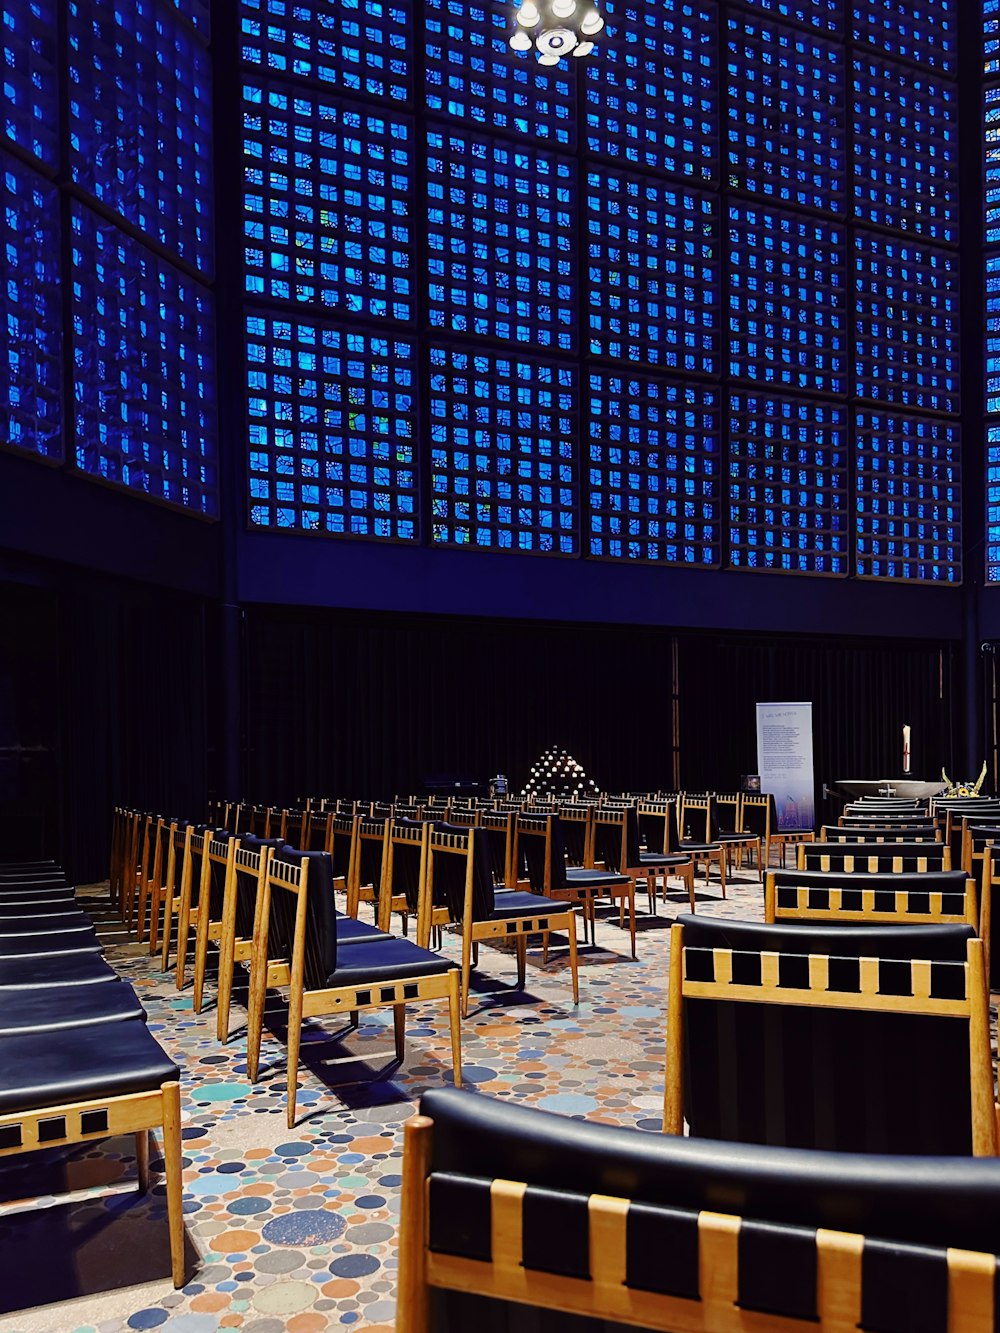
x,y
906,749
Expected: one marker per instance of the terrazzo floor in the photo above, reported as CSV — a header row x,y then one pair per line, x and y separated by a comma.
x,y
294,1230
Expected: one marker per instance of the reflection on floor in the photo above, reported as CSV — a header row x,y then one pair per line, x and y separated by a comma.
x,y
295,1230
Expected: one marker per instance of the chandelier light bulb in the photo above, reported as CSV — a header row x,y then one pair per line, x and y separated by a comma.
x,y
591,23
528,15
564,9
583,48
520,41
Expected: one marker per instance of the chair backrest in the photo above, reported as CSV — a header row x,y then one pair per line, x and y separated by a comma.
x,y
498,833
293,828
296,918
658,824
404,866
459,875
245,870
759,815
695,817
875,857
898,833
565,1223
576,818
850,1038
342,844
538,839
317,831
369,858
216,853
812,895
975,839
616,838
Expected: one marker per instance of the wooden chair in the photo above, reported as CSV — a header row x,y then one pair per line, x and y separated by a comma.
x,y
616,847
498,829
760,816
975,839
296,946
580,1226
372,837
151,885
697,820
216,851
459,883
872,858
190,905
538,838
178,873
851,1038
736,839
404,865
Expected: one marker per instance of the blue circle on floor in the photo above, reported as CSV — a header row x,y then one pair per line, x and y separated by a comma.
x,y
304,1226
355,1265
148,1318
244,1207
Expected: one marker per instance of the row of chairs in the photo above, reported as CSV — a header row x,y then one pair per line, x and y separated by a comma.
x,y
77,1062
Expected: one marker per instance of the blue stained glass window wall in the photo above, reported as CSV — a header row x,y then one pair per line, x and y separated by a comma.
x,y
653,272
905,150
787,317
357,46
908,516
906,323
825,16
327,202
993,503
787,492
30,313
331,417
503,451
29,88
922,31
991,135
141,122
993,334
652,469
651,98
786,114
144,379
500,240
471,73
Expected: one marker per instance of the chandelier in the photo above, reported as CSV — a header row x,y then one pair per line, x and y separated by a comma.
x,y
555,28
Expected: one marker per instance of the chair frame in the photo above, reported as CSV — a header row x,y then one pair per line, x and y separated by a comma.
x,y
870,865
266,974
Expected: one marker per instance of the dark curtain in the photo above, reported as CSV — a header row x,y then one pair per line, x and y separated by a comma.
x,y
133,707
356,703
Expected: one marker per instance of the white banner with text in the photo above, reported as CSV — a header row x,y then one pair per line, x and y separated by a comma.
x,y
785,762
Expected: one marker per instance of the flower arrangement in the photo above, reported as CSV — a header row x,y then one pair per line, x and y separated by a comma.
x,y
964,788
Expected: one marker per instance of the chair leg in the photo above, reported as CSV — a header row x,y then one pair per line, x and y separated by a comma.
x,y
168,922
142,1159
294,1044
399,1029
255,1021
651,891
223,999
689,876
522,959
545,944
454,1018
172,1170
155,903
572,960
466,969
722,873
631,913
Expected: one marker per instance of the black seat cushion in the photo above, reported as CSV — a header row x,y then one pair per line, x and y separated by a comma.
x,y
593,879
48,1008
350,931
60,909
687,846
663,859
384,960
88,1063
58,969
54,926
44,946
37,891
512,903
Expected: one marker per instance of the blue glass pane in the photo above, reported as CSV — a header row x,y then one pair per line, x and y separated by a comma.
x,y
29,81
328,203
991,33
787,305
908,515
653,272
906,323
924,31
993,334
470,72
331,415
787,492
905,150
358,46
991,131
144,378
826,16
501,240
652,479
141,120
993,504
786,114
30,313
651,95
503,452
197,13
